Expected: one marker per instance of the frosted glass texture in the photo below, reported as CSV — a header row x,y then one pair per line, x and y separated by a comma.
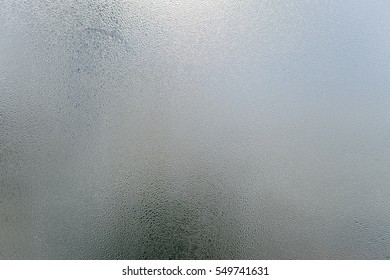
x,y
194,129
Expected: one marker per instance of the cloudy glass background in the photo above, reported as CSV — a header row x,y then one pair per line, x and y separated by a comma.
x,y
194,129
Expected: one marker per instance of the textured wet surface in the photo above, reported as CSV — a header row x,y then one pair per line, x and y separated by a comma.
x,y
194,129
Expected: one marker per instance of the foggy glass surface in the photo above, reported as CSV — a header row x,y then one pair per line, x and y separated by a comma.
x,y
194,129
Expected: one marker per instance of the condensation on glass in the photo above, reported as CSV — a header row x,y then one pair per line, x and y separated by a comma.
x,y
194,129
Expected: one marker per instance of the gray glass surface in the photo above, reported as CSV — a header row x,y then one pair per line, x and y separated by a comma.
x,y
194,129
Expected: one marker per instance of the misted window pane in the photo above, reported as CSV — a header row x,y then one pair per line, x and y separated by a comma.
x,y
194,129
